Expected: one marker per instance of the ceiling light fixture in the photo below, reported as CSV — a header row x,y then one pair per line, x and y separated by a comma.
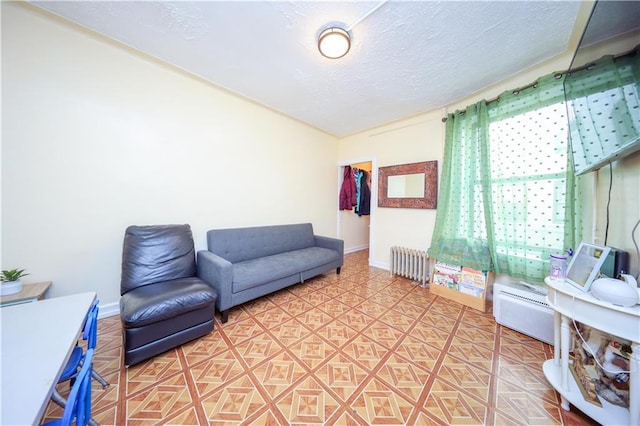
x,y
334,43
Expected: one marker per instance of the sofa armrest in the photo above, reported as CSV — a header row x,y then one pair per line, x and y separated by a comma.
x,y
330,243
218,273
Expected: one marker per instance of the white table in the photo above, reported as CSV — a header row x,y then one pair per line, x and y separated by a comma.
x,y
570,303
37,340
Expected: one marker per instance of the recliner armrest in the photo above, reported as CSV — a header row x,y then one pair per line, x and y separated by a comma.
x,y
330,243
218,273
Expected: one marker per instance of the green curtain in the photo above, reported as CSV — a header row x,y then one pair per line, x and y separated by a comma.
x,y
460,235
604,101
508,198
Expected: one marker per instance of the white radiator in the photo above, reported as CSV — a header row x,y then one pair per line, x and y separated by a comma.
x,y
518,307
410,263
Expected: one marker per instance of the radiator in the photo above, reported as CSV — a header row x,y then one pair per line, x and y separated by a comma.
x,y
410,263
521,309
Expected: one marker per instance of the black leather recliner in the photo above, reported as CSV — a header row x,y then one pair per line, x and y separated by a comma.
x,y
163,303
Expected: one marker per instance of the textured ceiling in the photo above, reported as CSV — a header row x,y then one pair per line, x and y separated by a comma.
x,y
406,58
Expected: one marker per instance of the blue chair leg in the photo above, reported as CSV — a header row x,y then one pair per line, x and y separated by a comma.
x,y
58,399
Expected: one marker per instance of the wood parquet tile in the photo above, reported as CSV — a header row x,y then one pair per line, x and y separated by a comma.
x,y
360,348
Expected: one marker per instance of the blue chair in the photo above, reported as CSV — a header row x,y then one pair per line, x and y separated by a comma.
x,y
78,356
78,406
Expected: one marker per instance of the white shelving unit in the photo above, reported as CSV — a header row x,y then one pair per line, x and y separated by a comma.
x,y
570,304
608,414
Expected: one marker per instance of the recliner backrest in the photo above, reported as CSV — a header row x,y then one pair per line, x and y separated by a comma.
x,y
156,253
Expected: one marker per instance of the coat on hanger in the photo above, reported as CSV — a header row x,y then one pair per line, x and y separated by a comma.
x,y
347,190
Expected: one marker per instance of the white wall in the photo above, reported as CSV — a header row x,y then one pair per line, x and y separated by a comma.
x,y
96,137
354,230
624,208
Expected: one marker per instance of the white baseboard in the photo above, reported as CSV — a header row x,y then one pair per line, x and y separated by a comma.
x,y
380,265
355,249
108,309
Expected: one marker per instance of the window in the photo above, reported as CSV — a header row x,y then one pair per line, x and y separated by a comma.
x,y
528,166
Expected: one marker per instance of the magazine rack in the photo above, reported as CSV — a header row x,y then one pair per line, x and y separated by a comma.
x,y
461,284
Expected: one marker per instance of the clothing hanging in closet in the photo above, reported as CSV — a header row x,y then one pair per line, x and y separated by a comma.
x,y
347,190
357,175
364,195
355,192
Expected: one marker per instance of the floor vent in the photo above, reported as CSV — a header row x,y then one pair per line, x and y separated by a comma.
x,y
521,308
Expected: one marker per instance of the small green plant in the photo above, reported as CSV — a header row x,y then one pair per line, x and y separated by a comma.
x,y
13,274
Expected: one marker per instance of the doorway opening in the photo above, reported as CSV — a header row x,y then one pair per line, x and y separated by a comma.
x,y
354,228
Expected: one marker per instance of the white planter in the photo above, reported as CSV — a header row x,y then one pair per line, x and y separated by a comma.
x,y
10,287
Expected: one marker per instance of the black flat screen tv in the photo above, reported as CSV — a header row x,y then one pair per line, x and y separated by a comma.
x,y
602,94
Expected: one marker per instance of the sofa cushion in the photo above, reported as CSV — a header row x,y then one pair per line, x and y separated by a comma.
x,y
240,244
255,272
160,301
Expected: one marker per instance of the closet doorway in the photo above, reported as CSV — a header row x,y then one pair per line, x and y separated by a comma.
x,y
355,225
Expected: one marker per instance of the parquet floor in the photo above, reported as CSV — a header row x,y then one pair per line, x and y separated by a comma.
x,y
360,348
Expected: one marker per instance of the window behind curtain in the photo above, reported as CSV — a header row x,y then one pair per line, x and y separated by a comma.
x,y
528,179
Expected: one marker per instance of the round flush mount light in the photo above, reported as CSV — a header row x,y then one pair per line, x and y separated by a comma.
x,y
334,43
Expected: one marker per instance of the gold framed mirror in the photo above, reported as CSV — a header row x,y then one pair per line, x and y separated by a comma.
x,y
413,186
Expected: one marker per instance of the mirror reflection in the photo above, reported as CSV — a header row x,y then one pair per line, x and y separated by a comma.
x,y
406,186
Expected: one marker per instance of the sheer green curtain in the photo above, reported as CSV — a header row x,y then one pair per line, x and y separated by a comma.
x,y
534,198
461,234
508,197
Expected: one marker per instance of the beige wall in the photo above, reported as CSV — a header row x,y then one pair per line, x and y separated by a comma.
x,y
96,137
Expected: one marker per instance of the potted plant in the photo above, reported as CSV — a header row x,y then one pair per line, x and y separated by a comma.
x,y
11,282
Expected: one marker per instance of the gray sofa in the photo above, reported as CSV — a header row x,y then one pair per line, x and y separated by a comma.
x,y
243,264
